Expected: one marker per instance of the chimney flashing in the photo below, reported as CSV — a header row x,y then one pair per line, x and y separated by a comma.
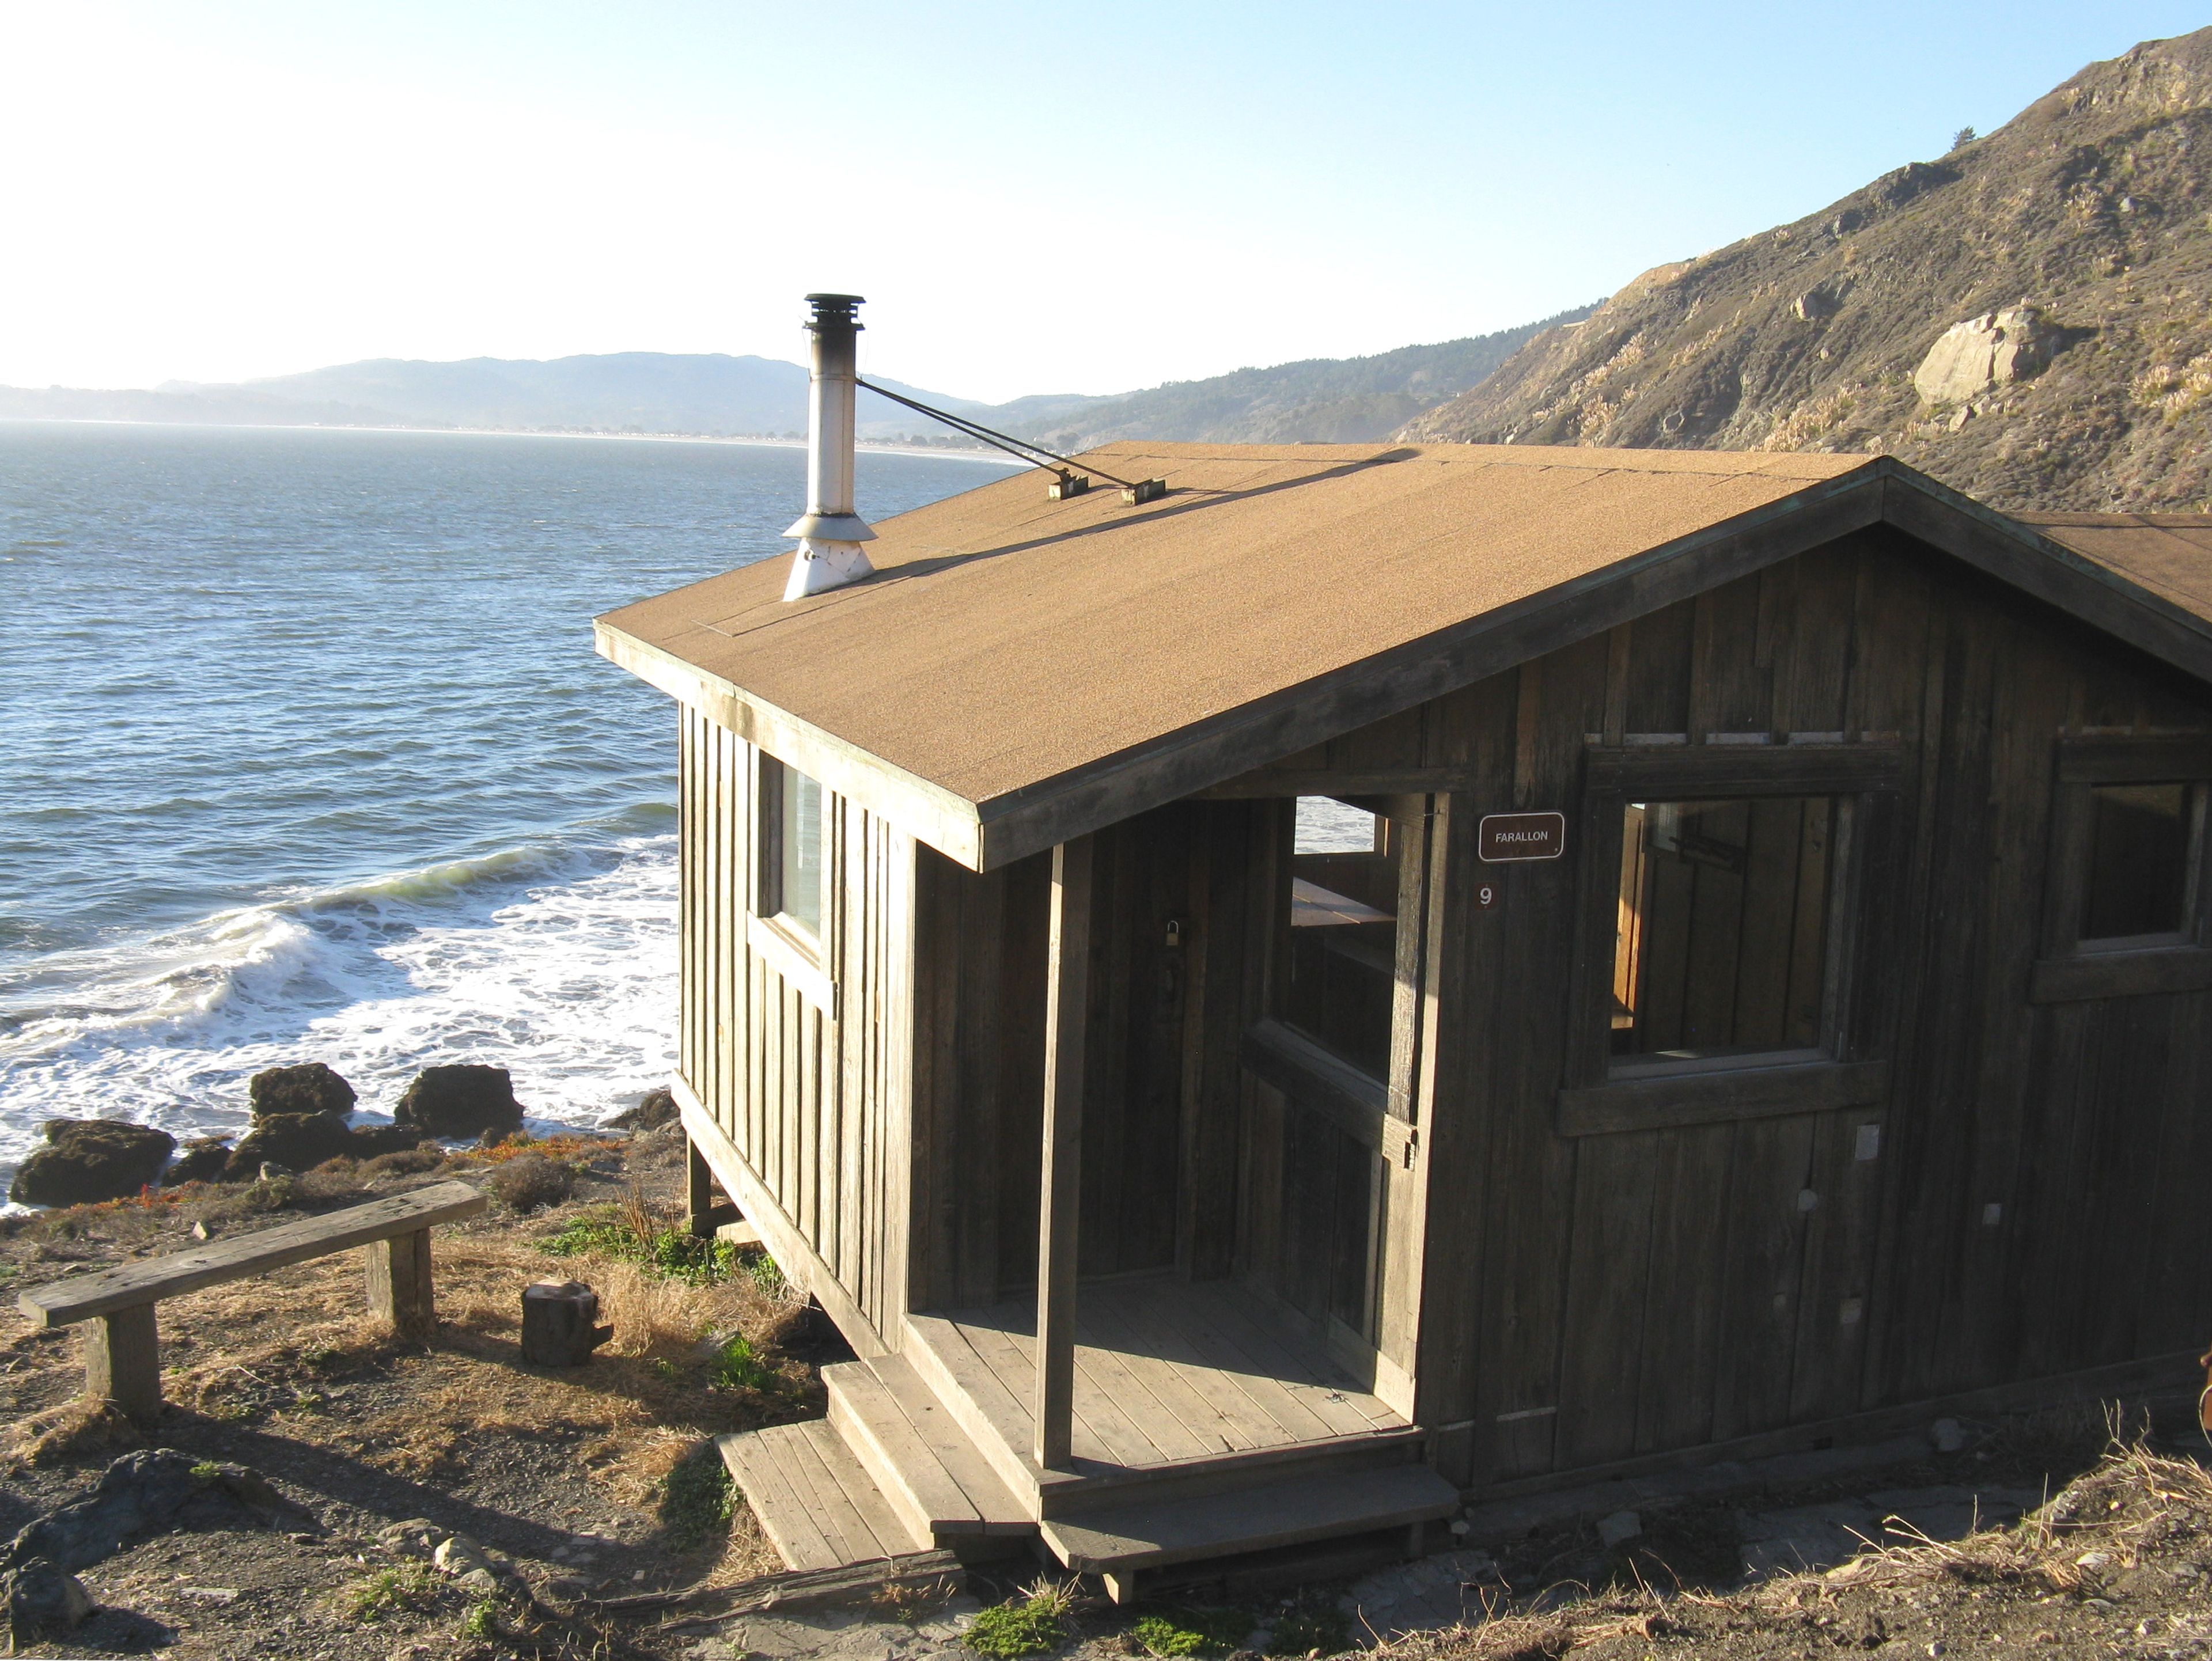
x,y
831,528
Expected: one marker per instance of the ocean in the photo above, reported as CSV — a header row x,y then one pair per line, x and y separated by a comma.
x,y
305,755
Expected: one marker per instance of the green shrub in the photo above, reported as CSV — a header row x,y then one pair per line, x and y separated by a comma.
x,y
1035,1623
1192,1631
696,1500
482,1620
737,1366
767,1280
404,1587
612,1232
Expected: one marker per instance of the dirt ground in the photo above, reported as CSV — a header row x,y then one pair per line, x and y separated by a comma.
x,y
563,1471
573,1482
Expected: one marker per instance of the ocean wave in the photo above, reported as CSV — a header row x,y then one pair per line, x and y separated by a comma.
x,y
554,958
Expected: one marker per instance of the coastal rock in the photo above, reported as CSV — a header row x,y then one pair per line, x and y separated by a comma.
x,y
372,1140
301,1141
138,1494
89,1160
42,1600
308,1087
655,1109
459,1103
203,1159
1987,352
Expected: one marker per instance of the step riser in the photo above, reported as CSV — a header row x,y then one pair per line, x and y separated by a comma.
x,y
1233,1473
1305,1507
877,1463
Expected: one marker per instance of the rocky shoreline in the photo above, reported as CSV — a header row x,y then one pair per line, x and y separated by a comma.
x,y
301,1117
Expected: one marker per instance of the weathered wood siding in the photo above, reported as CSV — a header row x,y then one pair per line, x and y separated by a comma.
x,y
813,1100
980,979
1587,1299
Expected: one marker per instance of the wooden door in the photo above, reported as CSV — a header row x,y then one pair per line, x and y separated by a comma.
x,y
1332,1061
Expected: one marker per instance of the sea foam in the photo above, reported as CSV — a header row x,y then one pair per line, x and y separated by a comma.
x,y
555,960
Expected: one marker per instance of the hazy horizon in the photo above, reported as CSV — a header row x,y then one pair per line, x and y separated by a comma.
x,y
238,191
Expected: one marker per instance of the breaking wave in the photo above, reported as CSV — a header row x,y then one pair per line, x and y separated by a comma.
x,y
555,959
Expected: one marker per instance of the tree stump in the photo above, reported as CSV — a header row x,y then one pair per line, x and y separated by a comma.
x,y
557,1323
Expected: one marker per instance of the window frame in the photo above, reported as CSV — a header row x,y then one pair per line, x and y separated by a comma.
x,y
800,955
1602,1093
1378,1112
2072,969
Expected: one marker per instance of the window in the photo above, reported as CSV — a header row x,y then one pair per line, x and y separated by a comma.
x,y
790,848
1342,973
2137,881
1728,895
1720,945
2124,895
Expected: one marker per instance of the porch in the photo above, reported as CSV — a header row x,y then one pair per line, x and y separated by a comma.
x,y
1170,1378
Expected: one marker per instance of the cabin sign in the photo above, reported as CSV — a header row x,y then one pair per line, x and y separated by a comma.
x,y
1505,836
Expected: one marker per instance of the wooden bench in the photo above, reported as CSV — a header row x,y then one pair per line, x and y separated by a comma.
x,y
122,1347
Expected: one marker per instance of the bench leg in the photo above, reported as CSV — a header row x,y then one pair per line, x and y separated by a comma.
x,y
123,1361
399,1284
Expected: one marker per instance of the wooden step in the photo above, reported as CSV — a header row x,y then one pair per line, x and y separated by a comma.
x,y
1147,1533
818,1508
994,1422
928,1468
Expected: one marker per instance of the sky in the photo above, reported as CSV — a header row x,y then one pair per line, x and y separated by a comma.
x,y
1033,199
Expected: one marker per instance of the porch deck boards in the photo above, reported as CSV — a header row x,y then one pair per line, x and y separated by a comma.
x,y
1167,1371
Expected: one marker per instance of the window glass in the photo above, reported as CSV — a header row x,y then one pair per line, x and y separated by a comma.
x,y
1344,932
799,844
1722,943
2138,861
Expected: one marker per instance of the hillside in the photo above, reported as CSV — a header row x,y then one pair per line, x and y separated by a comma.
x,y
1318,401
2084,220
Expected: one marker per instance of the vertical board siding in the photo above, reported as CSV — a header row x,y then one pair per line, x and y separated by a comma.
x,y
1587,1299
2033,1206
806,1098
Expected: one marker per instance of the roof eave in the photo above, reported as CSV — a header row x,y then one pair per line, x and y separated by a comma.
x,y
1237,741
2022,557
998,831
948,823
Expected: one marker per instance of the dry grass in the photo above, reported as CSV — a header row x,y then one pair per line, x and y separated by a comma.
x,y
2100,1526
76,1426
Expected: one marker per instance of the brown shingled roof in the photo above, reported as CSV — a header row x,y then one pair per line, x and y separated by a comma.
x,y
2170,554
1018,663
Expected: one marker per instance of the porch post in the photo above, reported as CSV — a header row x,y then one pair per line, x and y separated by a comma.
x,y
1067,983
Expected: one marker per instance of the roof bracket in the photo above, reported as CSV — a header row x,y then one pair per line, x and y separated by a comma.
x,y
1065,484
1143,491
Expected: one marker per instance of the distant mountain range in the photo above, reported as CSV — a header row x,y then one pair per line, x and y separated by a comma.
x,y
706,394
2028,317
710,395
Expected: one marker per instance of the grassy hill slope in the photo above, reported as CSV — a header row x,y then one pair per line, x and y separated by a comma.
x,y
1318,401
2092,205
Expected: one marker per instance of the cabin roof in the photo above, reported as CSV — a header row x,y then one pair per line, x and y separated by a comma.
x,y
1021,670
2168,553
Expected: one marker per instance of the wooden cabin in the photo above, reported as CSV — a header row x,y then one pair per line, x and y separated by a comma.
x,y
1388,977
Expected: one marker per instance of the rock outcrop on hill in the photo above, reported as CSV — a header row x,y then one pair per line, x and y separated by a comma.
x,y
2028,319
